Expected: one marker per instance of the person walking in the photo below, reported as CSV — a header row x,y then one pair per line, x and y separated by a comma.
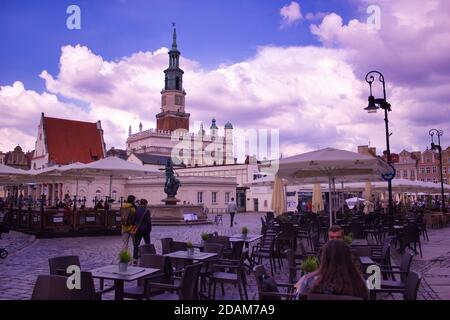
x,y
232,209
144,226
127,215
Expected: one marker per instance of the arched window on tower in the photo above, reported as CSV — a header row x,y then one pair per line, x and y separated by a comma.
x,y
177,83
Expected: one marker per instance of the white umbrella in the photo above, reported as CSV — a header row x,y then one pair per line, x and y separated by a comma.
x,y
10,171
329,164
112,167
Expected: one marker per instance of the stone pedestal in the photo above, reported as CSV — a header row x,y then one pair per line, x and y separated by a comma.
x,y
170,201
175,214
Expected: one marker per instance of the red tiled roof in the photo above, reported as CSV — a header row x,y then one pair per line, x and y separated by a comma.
x,y
71,141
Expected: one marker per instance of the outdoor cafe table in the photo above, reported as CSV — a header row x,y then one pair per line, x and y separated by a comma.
x,y
359,243
196,256
111,272
365,262
247,240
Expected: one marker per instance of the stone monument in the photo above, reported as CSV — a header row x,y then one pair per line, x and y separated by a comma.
x,y
171,186
171,213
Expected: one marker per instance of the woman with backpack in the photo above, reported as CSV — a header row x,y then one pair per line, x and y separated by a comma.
x,y
127,216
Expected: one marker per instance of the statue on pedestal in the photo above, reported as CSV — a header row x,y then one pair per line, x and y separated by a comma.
x,y
172,183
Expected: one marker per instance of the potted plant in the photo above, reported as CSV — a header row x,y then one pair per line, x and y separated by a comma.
x,y
244,232
205,237
124,260
348,239
310,264
190,248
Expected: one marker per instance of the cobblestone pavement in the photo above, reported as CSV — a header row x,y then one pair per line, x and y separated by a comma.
x,y
29,257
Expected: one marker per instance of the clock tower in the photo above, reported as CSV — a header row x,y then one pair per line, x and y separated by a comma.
x,y
173,115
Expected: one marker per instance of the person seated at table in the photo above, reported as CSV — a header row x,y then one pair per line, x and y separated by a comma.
x,y
335,233
337,274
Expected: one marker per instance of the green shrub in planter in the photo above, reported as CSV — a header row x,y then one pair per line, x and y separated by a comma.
x,y
348,239
205,236
124,256
310,264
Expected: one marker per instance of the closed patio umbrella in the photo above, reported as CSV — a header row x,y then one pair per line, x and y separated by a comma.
x,y
368,191
278,197
317,199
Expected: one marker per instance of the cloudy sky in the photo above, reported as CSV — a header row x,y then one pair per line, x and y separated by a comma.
x,y
296,66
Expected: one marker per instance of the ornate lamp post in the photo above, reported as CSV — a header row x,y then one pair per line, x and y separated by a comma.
x,y
439,134
374,105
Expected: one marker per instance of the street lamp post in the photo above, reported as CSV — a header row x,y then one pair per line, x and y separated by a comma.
x,y
374,105
439,134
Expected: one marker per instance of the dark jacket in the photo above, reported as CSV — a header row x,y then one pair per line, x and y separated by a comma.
x,y
143,213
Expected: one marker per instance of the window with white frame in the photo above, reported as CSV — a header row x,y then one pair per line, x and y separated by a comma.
x,y
227,197
422,170
434,169
428,170
214,197
200,197
444,170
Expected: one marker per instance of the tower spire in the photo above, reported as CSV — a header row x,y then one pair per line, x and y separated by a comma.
x,y
174,41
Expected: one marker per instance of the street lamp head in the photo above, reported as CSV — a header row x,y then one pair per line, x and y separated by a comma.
x,y
433,146
372,107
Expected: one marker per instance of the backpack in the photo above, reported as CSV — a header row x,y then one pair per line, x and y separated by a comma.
x,y
126,217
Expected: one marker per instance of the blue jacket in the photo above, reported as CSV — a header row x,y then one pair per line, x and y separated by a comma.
x,y
143,213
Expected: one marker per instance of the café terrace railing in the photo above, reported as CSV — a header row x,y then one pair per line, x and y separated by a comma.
x,y
51,220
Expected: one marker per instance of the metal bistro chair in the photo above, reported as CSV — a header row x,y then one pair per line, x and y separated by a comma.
x,y
165,276
402,270
218,219
51,287
186,289
59,265
206,270
147,249
165,245
228,271
268,289
410,290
